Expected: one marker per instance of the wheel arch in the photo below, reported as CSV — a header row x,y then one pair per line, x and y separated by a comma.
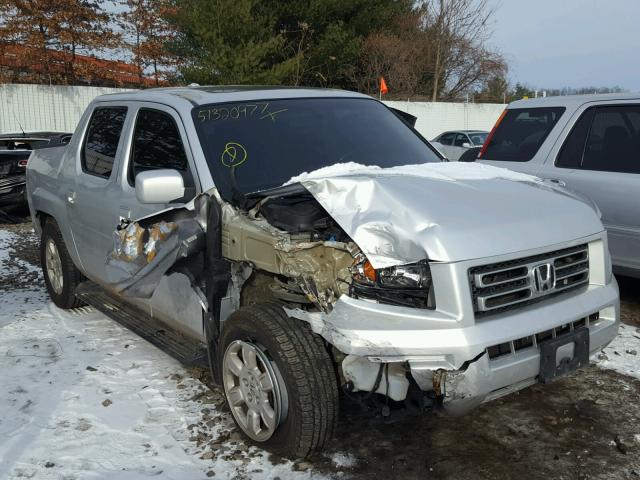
x,y
41,216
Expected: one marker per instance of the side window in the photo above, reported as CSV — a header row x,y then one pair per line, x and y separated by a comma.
x,y
605,139
157,144
101,142
446,138
571,153
460,139
613,143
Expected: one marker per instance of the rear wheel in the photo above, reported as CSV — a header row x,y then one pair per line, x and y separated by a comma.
x,y
278,380
61,276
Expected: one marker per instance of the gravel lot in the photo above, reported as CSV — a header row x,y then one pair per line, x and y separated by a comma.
x,y
586,425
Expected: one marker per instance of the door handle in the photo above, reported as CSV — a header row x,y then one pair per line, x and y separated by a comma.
x,y
125,213
558,182
71,197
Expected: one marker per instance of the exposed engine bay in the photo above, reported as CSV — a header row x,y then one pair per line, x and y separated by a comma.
x,y
288,234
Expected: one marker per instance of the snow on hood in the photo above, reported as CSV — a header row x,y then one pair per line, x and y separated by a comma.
x,y
446,211
451,171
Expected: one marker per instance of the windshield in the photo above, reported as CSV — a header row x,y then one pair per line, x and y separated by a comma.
x,y
273,140
478,138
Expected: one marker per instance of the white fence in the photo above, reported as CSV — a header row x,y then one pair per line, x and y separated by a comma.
x,y
59,108
437,117
43,107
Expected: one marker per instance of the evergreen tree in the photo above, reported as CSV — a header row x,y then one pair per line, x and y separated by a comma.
x,y
228,42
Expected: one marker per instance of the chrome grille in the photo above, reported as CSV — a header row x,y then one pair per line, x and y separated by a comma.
x,y
506,285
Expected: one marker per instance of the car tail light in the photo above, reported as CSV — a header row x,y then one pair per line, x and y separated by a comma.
x,y
23,163
491,133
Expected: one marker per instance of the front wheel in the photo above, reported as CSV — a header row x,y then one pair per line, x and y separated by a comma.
x,y
278,380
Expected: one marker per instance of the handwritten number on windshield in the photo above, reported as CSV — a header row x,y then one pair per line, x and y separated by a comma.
x,y
261,110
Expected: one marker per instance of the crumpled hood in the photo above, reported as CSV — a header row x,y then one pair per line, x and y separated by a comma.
x,y
446,212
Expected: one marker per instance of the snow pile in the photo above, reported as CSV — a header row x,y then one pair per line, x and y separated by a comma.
x,y
623,354
344,460
447,171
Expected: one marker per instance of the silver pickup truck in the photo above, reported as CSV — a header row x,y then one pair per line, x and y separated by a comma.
x,y
307,241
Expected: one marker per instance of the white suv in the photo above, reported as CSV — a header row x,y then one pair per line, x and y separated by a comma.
x,y
586,143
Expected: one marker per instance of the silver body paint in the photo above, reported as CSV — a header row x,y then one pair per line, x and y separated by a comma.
x,y
454,218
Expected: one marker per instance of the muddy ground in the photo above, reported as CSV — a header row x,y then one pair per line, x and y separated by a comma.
x,y
584,426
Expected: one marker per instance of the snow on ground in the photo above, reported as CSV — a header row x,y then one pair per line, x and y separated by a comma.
x,y
82,397
623,354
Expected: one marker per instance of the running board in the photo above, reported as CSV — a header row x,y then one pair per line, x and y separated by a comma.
x,y
187,351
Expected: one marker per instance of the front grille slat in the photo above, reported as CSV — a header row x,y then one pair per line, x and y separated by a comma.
x,y
571,271
505,285
500,277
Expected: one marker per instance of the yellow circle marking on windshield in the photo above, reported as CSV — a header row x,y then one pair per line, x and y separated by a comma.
x,y
233,154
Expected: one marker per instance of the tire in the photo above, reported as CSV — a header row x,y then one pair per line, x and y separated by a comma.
x,y
61,276
304,372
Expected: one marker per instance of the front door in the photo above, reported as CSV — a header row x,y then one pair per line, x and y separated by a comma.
x,y
601,159
159,141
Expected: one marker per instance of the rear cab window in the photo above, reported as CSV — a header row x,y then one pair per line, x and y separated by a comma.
x,y
520,133
101,141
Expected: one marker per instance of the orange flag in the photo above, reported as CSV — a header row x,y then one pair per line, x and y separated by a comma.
x,y
383,86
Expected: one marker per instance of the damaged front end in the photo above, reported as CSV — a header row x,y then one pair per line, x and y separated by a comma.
x,y
282,246
347,256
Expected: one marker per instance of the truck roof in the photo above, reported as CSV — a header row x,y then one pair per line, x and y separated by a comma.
x,y
202,95
572,100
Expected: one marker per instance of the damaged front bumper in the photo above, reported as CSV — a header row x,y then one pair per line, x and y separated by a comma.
x,y
457,363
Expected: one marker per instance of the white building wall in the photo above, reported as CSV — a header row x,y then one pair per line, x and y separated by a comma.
x,y
437,117
43,107
59,108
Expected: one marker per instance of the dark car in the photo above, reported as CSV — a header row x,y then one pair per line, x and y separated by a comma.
x,y
15,149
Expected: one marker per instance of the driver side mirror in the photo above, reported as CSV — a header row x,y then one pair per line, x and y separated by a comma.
x,y
466,145
159,186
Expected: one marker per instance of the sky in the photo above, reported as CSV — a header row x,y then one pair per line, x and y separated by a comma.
x,y
569,43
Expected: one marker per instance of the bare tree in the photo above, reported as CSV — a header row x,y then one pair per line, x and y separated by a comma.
x,y
437,51
83,28
457,31
394,58
31,24
146,34
50,34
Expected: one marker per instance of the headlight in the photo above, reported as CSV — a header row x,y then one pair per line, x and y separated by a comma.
x,y
416,275
408,285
